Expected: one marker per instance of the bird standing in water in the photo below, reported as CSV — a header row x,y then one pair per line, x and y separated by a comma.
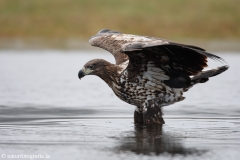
x,y
149,72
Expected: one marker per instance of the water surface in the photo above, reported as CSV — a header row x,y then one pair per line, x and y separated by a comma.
x,y
46,109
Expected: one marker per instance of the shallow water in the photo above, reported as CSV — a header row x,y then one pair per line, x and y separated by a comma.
x,y
45,109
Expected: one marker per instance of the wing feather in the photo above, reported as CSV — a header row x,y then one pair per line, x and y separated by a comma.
x,y
188,58
148,54
104,39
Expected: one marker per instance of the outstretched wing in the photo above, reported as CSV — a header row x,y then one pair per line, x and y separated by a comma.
x,y
166,62
104,40
153,61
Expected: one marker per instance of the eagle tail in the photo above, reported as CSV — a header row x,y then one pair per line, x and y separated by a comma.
x,y
205,75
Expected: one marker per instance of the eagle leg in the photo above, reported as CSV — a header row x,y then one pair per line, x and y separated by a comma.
x,y
138,117
153,115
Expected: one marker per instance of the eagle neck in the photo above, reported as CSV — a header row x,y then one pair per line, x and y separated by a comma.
x,y
110,74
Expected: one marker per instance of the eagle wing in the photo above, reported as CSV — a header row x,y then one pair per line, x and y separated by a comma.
x,y
104,40
153,61
167,62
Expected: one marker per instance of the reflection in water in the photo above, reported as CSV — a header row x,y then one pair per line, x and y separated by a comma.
x,y
149,140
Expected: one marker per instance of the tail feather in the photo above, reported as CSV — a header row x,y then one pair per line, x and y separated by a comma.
x,y
203,76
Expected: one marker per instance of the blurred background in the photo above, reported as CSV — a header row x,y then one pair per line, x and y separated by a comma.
x,y
68,24
45,108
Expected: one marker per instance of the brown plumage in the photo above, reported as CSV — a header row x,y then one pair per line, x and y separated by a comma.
x,y
149,72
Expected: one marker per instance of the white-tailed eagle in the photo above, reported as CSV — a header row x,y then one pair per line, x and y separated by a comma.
x,y
149,72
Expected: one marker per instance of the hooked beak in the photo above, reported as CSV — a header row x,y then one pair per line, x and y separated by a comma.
x,y
84,71
81,74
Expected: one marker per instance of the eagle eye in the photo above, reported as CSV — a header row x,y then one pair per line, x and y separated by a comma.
x,y
91,67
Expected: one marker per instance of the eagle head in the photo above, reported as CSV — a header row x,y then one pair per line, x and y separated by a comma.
x,y
93,67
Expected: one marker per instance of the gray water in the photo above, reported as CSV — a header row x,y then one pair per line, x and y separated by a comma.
x,y
46,111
